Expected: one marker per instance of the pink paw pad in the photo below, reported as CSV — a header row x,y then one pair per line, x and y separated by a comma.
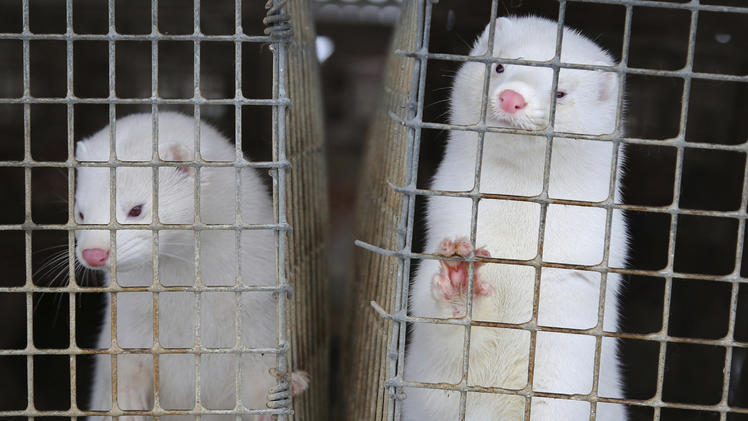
x,y
446,248
452,282
444,287
463,248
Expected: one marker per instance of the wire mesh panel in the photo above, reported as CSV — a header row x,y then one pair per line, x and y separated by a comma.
x,y
379,214
661,350
307,190
210,323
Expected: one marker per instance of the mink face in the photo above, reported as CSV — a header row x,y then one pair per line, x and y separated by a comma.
x,y
134,190
133,201
519,96
133,205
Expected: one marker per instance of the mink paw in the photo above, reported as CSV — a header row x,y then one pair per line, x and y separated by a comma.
x,y
451,283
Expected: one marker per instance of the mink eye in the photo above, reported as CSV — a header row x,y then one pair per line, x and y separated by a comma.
x,y
135,211
499,68
80,215
560,94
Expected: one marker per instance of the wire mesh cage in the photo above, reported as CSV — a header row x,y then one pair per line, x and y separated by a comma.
x,y
71,69
680,334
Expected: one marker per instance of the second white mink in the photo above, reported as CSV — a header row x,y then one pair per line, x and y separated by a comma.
x,y
520,97
218,310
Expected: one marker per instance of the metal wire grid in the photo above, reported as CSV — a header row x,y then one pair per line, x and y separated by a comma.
x,y
408,191
277,167
377,219
308,214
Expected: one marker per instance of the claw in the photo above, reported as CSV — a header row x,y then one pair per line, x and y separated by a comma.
x,y
463,247
446,248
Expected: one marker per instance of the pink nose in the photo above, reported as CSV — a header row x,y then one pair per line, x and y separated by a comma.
x,y
95,257
511,101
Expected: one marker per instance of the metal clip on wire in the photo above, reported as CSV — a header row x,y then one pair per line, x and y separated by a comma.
x,y
279,396
277,21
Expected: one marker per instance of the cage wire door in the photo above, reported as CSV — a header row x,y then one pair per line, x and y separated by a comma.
x,y
52,75
387,208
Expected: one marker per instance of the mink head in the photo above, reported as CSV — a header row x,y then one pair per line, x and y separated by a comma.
x,y
520,96
133,201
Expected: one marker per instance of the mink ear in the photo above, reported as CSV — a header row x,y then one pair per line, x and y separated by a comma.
x,y
481,44
177,152
608,88
80,148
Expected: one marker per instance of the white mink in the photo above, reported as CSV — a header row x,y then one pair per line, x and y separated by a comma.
x,y
519,97
176,267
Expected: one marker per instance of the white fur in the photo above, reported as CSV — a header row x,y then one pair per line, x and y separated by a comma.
x,y
513,164
176,268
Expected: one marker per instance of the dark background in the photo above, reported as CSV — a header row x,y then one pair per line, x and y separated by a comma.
x,y
712,180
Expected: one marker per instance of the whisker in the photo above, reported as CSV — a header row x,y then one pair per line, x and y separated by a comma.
x,y
59,268
441,101
56,271
54,264
176,257
52,261
459,37
58,246
51,266
58,306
